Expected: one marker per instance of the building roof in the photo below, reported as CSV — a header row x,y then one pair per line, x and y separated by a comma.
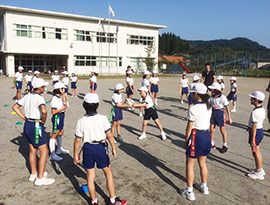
x,y
173,58
3,9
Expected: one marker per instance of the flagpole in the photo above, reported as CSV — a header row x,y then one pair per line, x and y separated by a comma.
x,y
109,37
117,59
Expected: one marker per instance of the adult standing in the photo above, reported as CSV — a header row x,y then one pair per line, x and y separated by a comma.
x,y
268,105
208,75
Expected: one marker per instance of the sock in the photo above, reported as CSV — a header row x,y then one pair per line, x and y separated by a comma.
x,y
59,142
95,201
234,107
112,200
259,170
204,184
225,144
52,145
212,143
143,133
190,189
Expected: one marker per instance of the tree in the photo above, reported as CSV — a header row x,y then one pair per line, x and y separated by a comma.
x,y
149,60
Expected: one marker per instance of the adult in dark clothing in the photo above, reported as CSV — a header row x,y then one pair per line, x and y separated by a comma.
x,y
208,75
268,105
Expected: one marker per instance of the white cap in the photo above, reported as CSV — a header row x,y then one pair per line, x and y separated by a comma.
x,y
36,72
30,71
20,68
143,89
146,73
73,72
59,85
199,88
118,86
154,72
195,78
39,82
233,78
220,77
184,74
65,73
56,71
92,71
257,95
130,72
215,86
91,98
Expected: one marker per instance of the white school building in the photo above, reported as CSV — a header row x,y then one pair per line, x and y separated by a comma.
x,y
45,41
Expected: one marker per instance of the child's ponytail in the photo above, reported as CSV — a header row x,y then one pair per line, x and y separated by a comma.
x,y
205,98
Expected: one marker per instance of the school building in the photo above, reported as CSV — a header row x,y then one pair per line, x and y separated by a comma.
x,y
45,41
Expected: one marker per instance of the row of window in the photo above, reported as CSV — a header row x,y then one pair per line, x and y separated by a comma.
x,y
102,37
97,61
140,40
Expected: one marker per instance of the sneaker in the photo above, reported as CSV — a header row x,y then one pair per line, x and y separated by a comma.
x,y
34,176
141,114
75,96
182,102
119,202
255,170
68,104
62,151
224,149
213,147
72,96
189,195
233,110
256,175
202,188
44,181
95,203
55,157
142,137
115,142
163,135
119,139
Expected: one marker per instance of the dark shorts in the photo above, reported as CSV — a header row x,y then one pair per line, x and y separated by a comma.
x,y
258,137
60,121
191,101
55,81
29,131
231,96
18,85
93,87
129,91
218,118
66,89
154,88
185,90
199,145
95,153
73,85
30,86
118,114
150,113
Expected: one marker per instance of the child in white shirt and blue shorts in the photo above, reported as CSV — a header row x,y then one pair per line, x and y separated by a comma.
x,y
154,81
93,82
74,81
233,93
183,87
18,81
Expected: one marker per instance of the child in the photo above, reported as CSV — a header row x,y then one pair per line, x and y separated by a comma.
x,y
198,140
191,101
65,80
58,111
218,102
36,75
28,79
93,129
146,83
55,77
255,128
233,94
150,112
18,82
221,82
117,106
35,118
183,87
130,85
154,81
93,82
129,69
74,81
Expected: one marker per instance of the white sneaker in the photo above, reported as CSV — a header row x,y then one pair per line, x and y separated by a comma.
x,y
62,151
34,176
189,195
233,110
68,104
163,135
202,188
44,181
182,102
256,175
255,170
55,157
141,114
142,136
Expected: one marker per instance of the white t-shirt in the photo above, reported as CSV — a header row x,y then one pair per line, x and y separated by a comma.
x,y
191,85
93,79
257,116
148,101
57,103
233,87
34,78
116,99
222,86
145,82
154,80
65,80
184,82
55,77
73,79
32,103
129,80
92,127
18,76
200,115
28,78
218,103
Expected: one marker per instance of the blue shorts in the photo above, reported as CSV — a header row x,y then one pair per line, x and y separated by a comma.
x,y
185,90
29,131
93,87
66,89
258,137
231,96
18,85
95,153
60,121
73,85
55,81
154,88
117,115
199,145
150,113
30,86
191,101
218,118
129,91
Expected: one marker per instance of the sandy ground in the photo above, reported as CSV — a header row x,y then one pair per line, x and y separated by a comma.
x,y
149,171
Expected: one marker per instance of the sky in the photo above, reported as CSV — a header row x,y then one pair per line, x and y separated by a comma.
x,y
189,19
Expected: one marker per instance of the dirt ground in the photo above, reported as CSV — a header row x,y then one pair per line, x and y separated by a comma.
x,y
148,171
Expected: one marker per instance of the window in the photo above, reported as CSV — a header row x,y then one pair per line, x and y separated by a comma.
x,y
120,61
80,35
96,61
140,40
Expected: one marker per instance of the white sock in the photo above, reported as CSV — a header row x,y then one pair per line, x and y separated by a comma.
x,y
143,133
204,184
95,201
225,144
59,142
190,189
52,145
234,107
212,143
112,200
